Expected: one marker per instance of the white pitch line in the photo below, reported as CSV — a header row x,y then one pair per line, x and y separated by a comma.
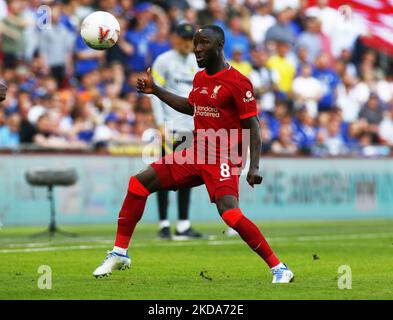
x,y
56,243
199,242
137,245
68,248
345,237
48,243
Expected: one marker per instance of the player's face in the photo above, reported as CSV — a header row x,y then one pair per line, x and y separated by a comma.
x,y
205,48
183,45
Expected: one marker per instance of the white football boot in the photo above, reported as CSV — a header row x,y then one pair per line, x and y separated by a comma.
x,y
282,274
231,232
113,261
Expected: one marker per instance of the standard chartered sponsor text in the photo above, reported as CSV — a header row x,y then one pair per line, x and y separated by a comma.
x,y
206,111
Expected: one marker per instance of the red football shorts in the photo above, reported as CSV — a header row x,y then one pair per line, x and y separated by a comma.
x,y
219,178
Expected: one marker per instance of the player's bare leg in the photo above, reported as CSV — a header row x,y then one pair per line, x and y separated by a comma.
x,y
139,188
228,208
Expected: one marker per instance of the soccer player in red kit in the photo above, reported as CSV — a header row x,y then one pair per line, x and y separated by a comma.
x,y
222,100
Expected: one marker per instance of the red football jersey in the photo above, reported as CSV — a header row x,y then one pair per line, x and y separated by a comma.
x,y
220,101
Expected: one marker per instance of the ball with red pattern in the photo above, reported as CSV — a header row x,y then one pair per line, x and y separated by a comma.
x,y
100,30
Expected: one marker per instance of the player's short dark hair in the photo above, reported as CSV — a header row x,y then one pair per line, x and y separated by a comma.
x,y
217,31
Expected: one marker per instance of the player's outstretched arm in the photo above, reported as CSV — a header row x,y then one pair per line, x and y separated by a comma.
x,y
253,175
147,85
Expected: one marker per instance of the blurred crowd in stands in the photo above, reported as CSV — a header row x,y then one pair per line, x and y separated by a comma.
x,y
320,91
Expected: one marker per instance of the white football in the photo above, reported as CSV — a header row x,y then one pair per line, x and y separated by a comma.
x,y
100,30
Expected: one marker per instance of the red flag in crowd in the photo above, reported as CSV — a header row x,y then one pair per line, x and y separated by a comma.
x,y
377,15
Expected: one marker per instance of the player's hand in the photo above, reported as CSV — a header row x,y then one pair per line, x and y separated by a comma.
x,y
254,177
146,85
3,91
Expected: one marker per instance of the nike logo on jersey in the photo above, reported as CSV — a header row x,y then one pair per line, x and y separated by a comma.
x,y
223,179
204,90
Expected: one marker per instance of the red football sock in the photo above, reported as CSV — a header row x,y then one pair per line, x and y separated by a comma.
x,y
250,233
131,212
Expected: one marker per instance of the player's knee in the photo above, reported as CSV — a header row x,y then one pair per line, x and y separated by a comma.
x,y
137,188
232,217
225,203
149,179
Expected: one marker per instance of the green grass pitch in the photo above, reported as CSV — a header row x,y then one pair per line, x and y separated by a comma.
x,y
172,270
